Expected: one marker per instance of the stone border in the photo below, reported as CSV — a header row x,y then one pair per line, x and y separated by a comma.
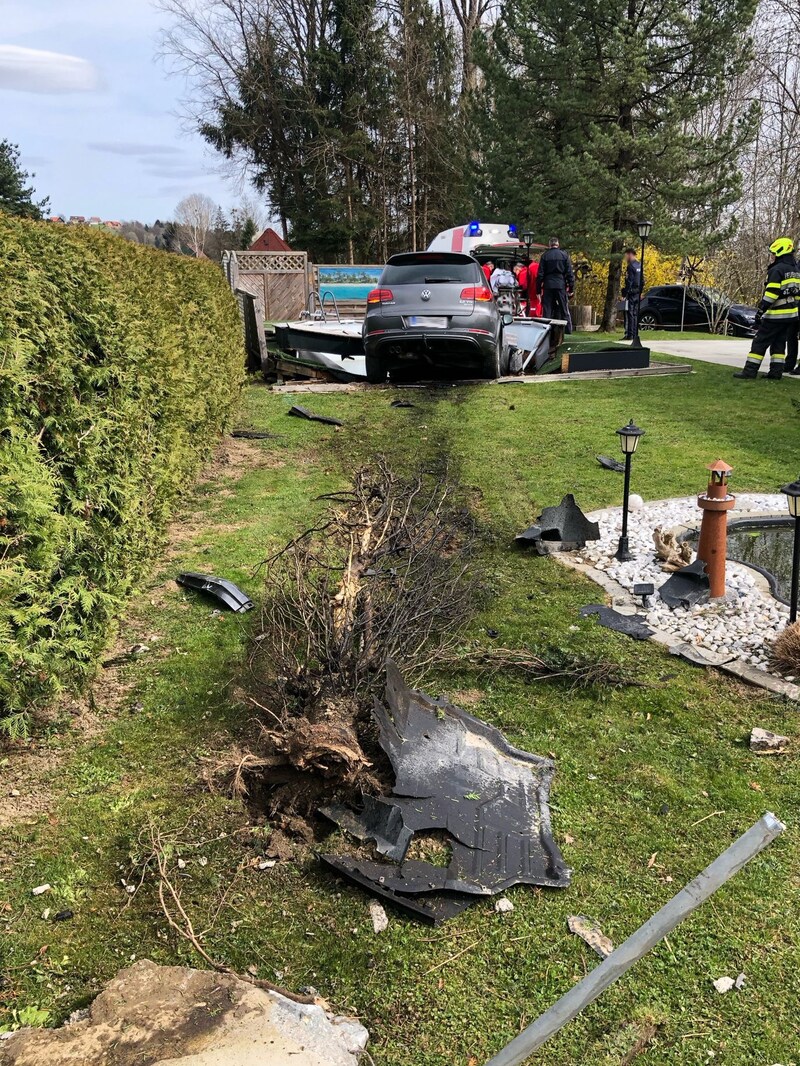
x,y
624,602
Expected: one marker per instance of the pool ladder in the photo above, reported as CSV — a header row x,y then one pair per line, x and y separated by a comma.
x,y
316,308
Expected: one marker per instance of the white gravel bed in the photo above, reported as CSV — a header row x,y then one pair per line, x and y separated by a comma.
x,y
743,625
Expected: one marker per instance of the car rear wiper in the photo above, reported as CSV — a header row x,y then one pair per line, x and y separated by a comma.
x,y
435,281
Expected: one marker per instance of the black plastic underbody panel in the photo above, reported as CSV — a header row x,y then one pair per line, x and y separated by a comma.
x,y
454,773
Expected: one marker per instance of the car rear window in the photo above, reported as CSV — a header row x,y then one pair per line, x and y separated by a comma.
x,y
420,273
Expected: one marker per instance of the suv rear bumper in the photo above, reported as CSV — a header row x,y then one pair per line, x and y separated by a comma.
x,y
401,347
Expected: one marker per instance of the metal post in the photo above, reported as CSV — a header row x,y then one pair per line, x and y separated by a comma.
x,y
623,551
639,943
637,343
795,572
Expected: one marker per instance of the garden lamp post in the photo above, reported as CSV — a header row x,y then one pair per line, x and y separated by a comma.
x,y
792,493
629,441
527,240
644,232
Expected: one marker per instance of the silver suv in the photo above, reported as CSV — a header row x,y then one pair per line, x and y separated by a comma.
x,y
433,310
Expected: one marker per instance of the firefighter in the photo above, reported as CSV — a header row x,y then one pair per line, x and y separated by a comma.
x,y
776,313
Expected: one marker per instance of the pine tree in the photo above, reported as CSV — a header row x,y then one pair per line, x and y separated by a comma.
x,y
590,120
16,198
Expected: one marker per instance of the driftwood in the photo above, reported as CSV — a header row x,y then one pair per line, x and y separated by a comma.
x,y
674,554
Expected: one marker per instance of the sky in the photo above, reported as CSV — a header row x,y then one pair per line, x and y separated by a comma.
x,y
94,112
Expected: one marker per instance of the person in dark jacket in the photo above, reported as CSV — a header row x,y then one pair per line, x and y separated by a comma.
x,y
792,366
776,314
632,294
555,283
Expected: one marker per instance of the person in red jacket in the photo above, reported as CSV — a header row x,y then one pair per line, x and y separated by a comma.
x,y
534,302
487,269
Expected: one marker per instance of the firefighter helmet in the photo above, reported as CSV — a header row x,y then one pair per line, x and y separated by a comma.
x,y
782,246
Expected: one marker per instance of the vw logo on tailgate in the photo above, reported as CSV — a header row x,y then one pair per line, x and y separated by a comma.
x,y
425,294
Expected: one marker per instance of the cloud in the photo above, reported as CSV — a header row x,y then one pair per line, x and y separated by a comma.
x,y
132,148
33,71
177,170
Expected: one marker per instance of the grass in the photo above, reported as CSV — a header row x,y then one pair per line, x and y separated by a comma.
x,y
651,783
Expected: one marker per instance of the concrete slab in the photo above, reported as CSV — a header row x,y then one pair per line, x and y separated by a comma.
x,y
176,1016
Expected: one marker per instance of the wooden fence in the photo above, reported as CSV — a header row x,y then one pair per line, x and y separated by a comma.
x,y
278,281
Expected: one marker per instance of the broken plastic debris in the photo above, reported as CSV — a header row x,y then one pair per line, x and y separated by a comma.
x,y
686,587
219,587
610,464
724,984
40,890
629,625
566,525
591,933
303,412
454,773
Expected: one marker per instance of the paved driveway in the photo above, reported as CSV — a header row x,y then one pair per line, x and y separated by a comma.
x,y
727,351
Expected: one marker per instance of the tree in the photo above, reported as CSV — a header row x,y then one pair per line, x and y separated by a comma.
x,y
195,216
16,197
343,113
592,105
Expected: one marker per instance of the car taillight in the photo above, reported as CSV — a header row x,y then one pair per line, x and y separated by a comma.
x,y
476,292
380,296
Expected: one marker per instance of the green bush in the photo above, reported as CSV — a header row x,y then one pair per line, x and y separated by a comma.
x,y
119,368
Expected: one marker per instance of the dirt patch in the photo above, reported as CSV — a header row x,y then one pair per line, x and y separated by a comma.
x,y
467,697
235,457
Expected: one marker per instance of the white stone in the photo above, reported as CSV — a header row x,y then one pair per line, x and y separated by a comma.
x,y
724,984
504,906
380,920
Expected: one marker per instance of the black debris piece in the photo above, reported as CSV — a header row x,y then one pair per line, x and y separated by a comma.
x,y
686,587
63,916
611,464
432,907
531,535
224,591
454,773
620,623
564,528
252,434
379,821
402,403
303,412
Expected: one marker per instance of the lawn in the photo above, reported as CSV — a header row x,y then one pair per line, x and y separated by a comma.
x,y
651,782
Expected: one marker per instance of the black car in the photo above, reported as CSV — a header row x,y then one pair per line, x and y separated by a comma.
x,y
697,308
432,311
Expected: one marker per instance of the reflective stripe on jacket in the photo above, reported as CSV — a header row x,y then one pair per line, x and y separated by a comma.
x,y
782,291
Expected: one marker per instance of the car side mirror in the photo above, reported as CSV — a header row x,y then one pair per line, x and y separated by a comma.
x,y
508,319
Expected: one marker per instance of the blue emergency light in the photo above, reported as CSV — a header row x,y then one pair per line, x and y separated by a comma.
x,y
475,229
512,231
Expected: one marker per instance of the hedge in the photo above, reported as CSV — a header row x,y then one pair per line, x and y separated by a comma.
x,y
119,368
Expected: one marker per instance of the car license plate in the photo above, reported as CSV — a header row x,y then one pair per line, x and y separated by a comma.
x,y
429,321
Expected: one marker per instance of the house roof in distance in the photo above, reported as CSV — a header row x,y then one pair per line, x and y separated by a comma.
x,y
269,241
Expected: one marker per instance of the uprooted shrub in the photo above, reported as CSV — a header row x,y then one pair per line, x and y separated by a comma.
x,y
383,574
119,367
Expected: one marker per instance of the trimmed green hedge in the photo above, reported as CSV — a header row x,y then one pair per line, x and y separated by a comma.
x,y
119,369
